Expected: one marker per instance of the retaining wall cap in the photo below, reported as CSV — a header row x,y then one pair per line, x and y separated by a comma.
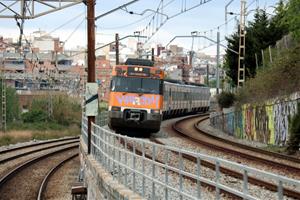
x,y
108,181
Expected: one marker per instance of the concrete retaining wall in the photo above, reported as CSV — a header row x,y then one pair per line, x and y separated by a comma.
x,y
100,183
267,123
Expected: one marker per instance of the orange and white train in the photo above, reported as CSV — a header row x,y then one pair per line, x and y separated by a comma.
x,y
140,97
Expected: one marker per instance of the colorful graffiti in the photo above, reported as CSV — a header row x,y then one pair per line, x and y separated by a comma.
x,y
249,133
282,113
267,123
262,129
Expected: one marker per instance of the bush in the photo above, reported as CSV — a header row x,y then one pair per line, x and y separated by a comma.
x,y
226,99
294,140
34,116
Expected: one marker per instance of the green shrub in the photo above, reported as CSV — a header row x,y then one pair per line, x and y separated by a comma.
x,y
34,116
294,141
226,99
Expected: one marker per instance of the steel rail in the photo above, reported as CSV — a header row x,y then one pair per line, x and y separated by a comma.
x,y
234,152
270,186
50,174
34,151
37,144
19,168
210,186
247,147
237,175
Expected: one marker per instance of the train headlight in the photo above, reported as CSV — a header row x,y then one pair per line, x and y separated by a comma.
x,y
140,69
156,111
115,108
136,69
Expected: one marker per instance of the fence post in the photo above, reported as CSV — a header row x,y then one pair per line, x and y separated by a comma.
x,y
270,53
256,61
263,58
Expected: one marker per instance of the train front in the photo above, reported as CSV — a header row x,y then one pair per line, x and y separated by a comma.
x,y
136,98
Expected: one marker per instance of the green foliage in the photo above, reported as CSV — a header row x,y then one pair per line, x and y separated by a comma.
x,y
60,109
38,131
66,110
103,106
279,80
261,33
12,104
34,116
39,104
294,141
226,99
292,18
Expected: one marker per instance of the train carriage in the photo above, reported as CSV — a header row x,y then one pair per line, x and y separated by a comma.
x,y
141,98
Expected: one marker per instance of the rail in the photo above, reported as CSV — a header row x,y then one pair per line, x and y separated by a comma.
x,y
139,173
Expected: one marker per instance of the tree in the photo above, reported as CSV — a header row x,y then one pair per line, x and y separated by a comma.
x,y
260,33
231,59
12,105
292,18
278,26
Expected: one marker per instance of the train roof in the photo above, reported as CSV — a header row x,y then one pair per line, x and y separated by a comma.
x,y
140,62
184,83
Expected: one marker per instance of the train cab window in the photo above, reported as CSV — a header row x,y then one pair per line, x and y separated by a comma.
x,y
137,85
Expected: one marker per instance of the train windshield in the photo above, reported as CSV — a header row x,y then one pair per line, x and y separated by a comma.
x,y
136,85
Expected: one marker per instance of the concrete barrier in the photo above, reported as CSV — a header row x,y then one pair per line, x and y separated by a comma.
x,y
100,183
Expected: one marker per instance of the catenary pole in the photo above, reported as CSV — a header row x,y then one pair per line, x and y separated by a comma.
x,y
218,61
117,49
91,58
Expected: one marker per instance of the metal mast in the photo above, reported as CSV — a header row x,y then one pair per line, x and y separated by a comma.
x,y
242,45
3,99
15,8
91,57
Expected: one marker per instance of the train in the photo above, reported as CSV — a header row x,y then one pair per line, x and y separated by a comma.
x,y
140,97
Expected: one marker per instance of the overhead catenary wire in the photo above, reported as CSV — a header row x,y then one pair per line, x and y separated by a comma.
x,y
157,28
126,25
76,28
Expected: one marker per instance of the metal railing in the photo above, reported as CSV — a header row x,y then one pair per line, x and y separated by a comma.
x,y
126,159
84,129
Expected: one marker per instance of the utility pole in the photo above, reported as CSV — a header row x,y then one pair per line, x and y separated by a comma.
x,y
207,74
3,99
242,45
91,58
152,54
117,49
218,61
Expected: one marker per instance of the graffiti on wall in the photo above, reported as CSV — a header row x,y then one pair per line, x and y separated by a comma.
x,y
282,113
249,133
267,123
262,125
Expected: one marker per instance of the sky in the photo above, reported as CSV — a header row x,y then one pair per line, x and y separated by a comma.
x,y
204,18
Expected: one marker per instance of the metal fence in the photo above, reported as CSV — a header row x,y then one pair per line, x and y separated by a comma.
x,y
170,178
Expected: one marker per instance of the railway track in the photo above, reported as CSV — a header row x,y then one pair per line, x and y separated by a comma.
x,y
22,180
46,180
36,144
211,144
211,187
189,128
33,148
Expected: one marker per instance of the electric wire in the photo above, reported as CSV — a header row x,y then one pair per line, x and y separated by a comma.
x,y
126,25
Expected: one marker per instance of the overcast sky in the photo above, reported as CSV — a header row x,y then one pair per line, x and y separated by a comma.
x,y
203,18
